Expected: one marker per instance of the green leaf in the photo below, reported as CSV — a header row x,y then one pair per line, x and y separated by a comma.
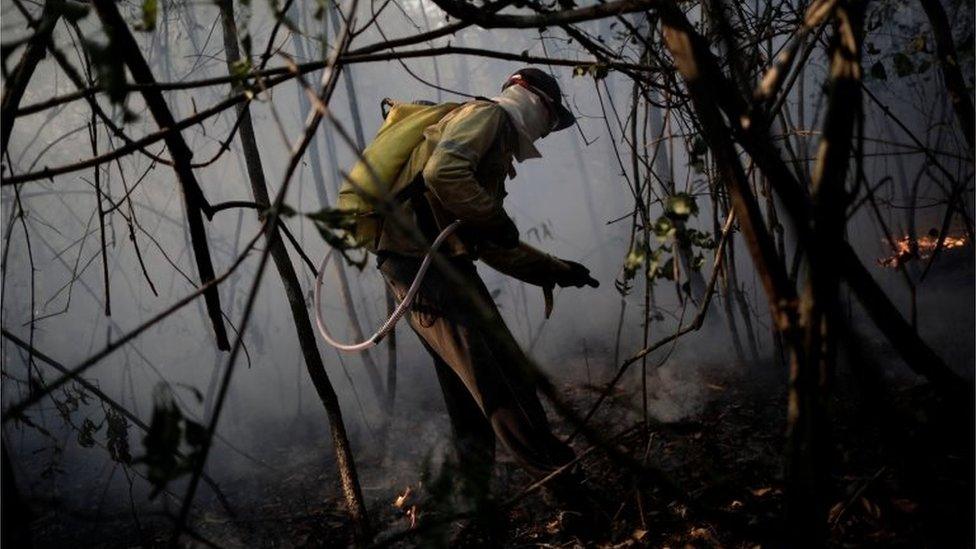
x,y
117,437
343,244
239,70
168,432
918,44
633,262
598,71
333,218
701,239
196,434
903,65
654,265
86,438
664,228
150,12
681,206
878,71
696,154
337,228
162,441
667,271
109,69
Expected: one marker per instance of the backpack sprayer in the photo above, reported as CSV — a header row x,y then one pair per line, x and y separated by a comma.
x,y
373,176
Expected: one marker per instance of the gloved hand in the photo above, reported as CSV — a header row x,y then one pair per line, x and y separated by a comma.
x,y
502,233
574,275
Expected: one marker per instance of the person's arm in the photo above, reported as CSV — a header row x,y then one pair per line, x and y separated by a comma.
x,y
450,172
522,262
536,267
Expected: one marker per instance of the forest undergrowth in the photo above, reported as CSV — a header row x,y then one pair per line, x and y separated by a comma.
x,y
906,485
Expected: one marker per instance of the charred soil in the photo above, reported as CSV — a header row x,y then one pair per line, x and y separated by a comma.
x,y
901,477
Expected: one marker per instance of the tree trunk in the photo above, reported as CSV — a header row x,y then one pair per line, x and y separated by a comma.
x,y
736,295
385,397
348,478
345,292
949,62
16,84
196,204
808,455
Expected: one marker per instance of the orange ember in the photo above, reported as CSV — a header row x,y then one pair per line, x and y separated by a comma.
x,y
925,247
406,503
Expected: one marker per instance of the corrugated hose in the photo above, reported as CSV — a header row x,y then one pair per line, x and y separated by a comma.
x,y
398,313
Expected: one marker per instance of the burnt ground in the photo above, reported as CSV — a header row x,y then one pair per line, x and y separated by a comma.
x,y
900,477
907,484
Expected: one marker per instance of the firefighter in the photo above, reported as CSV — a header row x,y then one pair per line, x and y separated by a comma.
x,y
488,388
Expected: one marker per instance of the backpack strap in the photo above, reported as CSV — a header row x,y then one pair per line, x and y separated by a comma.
x,y
415,190
417,187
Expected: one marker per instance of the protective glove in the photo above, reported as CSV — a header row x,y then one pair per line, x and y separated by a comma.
x,y
574,275
502,233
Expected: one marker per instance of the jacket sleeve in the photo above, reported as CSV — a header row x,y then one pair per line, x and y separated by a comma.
x,y
523,262
450,171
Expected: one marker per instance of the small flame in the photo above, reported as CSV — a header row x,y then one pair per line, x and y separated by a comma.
x,y
401,500
404,502
412,515
925,247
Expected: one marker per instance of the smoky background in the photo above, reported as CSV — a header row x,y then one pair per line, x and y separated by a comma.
x,y
574,203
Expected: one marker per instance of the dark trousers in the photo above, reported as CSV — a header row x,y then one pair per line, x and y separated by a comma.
x,y
488,388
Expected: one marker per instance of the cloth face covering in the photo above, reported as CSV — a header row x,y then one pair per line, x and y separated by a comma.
x,y
530,116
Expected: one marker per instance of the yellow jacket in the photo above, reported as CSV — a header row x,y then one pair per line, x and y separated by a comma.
x,y
465,159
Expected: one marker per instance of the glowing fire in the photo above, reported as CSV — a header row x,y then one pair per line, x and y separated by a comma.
x,y
925,247
406,503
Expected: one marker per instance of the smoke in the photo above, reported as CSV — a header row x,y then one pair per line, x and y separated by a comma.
x,y
574,202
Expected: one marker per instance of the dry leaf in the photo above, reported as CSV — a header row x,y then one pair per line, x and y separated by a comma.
x,y
835,511
906,506
871,508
